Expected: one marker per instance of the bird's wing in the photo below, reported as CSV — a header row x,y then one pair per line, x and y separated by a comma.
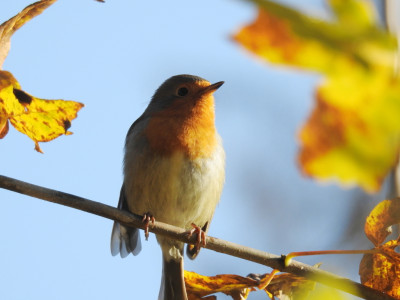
x,y
124,240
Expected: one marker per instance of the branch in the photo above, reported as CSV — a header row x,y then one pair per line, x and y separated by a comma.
x,y
264,258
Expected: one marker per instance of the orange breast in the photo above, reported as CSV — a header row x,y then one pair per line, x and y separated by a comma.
x,y
187,126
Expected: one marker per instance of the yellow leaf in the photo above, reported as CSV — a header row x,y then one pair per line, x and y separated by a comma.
x,y
239,287
353,133
354,136
289,285
381,271
198,286
357,16
378,222
282,35
8,28
3,126
272,38
41,120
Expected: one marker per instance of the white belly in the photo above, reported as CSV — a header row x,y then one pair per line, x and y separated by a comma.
x,y
174,189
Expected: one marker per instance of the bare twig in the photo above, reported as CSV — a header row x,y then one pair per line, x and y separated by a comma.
x,y
264,258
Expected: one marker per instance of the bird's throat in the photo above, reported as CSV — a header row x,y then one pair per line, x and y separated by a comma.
x,y
185,127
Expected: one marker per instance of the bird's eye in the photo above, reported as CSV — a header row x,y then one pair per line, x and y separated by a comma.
x,y
183,91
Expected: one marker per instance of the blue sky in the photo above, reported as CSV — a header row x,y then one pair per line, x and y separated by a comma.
x,y
112,57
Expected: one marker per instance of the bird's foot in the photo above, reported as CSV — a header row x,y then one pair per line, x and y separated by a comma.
x,y
147,220
201,236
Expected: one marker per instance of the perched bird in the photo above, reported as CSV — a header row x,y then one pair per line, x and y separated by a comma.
x,y
174,170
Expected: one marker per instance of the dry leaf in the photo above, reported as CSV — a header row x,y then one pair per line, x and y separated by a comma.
x,y
41,120
289,286
381,271
380,219
237,287
8,28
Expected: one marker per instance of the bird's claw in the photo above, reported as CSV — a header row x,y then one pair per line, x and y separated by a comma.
x,y
147,219
201,236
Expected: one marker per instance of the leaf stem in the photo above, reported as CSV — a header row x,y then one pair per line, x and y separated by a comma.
x,y
291,255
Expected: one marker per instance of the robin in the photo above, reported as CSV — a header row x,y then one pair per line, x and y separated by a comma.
x,y
174,170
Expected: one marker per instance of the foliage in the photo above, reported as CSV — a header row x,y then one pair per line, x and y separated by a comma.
x,y
352,135
41,120
239,288
381,270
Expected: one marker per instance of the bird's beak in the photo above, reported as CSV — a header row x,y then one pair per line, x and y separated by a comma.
x,y
212,88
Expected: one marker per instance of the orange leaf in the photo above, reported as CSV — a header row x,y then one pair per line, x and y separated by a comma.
x,y
273,38
239,287
384,215
283,35
8,28
3,126
381,271
198,286
41,120
354,137
353,134
294,287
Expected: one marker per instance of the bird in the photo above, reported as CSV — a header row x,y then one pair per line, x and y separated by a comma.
x,y
174,172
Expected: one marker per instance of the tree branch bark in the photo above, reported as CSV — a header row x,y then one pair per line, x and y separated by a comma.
x,y
257,256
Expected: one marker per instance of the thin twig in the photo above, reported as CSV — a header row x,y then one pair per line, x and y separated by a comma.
x,y
257,256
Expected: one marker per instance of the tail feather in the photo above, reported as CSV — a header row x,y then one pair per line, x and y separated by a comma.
x,y
125,240
173,280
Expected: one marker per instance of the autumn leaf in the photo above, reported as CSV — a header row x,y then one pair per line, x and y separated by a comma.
x,y
238,287
363,143
8,28
381,271
198,286
289,286
41,120
352,135
381,218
